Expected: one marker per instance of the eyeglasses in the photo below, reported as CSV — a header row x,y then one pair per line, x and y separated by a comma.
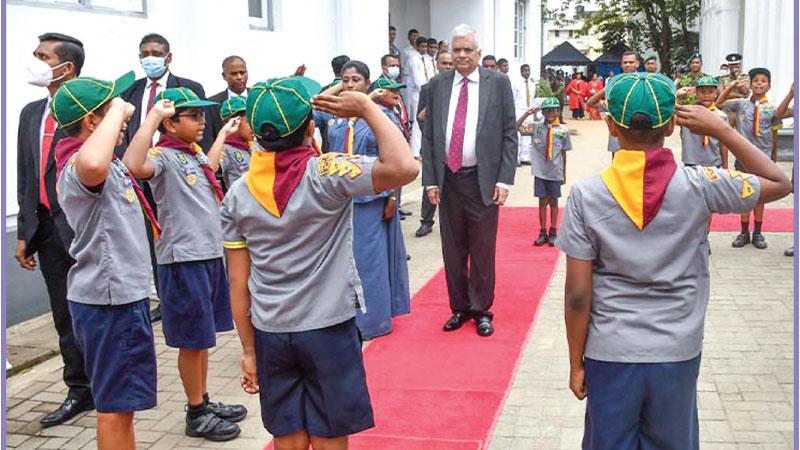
x,y
199,116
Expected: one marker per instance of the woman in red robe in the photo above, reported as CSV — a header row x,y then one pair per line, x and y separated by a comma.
x,y
595,86
576,89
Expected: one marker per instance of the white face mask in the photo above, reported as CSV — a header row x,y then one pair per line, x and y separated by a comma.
x,y
393,72
41,74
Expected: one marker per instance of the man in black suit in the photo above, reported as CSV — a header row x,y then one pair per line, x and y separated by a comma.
x,y
469,157
234,72
41,225
155,57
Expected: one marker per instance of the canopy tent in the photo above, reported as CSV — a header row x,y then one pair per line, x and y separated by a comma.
x,y
565,54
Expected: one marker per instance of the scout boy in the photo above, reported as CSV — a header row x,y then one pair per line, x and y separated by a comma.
x,y
700,150
758,121
103,204
235,158
195,301
637,267
294,286
548,163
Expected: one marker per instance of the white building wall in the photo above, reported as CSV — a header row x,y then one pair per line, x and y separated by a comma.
x,y
407,14
446,14
201,34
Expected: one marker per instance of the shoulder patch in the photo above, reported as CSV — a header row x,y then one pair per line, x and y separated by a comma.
x,y
154,152
338,164
736,174
711,174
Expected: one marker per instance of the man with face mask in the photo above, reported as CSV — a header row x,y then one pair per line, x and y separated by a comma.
x,y
42,228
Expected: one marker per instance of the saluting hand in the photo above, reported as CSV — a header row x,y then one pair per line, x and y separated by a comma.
x,y
300,71
346,104
127,108
164,109
685,91
232,126
699,119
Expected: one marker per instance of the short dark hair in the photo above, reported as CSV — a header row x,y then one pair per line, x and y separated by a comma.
x,y
385,58
157,38
489,57
528,66
337,63
412,31
433,41
70,49
422,40
271,139
630,53
230,59
641,130
502,61
392,28
361,68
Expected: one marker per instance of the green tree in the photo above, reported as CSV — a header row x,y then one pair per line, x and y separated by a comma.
x,y
663,25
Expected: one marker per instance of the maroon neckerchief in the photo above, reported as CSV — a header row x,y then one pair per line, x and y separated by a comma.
x,y
196,152
236,141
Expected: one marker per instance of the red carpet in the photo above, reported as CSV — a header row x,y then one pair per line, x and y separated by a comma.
x,y
776,220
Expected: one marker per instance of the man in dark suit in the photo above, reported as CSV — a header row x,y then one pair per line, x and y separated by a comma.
x,y
41,225
444,62
234,72
155,58
469,157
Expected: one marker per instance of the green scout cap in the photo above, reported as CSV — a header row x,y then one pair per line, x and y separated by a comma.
x,y
312,87
233,105
182,97
284,103
706,82
651,57
651,94
550,103
388,83
78,97
760,70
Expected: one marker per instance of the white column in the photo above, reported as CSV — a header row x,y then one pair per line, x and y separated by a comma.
x,y
767,42
534,37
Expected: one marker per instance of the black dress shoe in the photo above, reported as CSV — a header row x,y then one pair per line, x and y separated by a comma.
x,y
741,240
789,251
484,326
759,242
155,314
404,212
455,321
541,240
69,409
423,230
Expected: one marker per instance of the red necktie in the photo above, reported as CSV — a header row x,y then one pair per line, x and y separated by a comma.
x,y
153,87
47,142
455,154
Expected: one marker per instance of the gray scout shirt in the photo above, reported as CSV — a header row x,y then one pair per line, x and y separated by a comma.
x,y
234,164
112,259
187,209
613,142
541,167
650,288
302,271
745,110
693,151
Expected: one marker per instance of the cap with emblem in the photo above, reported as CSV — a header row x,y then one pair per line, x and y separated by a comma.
x,y
284,103
760,70
182,97
388,83
651,94
651,58
550,103
78,97
706,82
733,58
694,56
231,106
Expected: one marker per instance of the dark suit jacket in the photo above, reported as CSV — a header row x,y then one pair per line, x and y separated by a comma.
x,y
28,163
496,134
215,121
423,102
135,94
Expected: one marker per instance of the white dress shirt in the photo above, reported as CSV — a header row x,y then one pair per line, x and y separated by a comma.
x,y
234,94
161,85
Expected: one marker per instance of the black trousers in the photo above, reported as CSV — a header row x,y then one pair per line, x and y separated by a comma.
x,y
428,209
469,237
55,262
151,240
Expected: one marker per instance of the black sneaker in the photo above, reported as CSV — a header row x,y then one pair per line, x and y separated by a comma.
x,y
234,413
211,427
759,242
789,251
541,240
551,238
741,240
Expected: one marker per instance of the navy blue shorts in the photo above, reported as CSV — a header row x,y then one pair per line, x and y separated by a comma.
x,y
546,188
119,354
313,381
641,406
195,303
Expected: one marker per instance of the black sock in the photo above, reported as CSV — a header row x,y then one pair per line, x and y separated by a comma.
x,y
542,231
745,227
757,228
205,398
195,411
552,230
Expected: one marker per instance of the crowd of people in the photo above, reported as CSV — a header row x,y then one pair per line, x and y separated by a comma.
x,y
236,213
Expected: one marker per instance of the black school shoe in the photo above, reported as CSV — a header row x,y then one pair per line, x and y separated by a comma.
x,y
741,240
234,413
759,242
207,425
551,238
541,240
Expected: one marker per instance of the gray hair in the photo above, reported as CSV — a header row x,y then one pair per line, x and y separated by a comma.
x,y
465,30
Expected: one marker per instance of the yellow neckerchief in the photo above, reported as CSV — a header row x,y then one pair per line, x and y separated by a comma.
x,y
706,139
349,135
549,141
757,115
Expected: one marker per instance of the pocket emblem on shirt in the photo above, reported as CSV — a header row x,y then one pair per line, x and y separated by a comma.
x,y
747,189
331,122
238,156
191,179
537,141
130,195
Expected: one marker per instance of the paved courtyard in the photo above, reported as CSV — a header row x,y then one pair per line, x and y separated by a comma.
x,y
745,388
